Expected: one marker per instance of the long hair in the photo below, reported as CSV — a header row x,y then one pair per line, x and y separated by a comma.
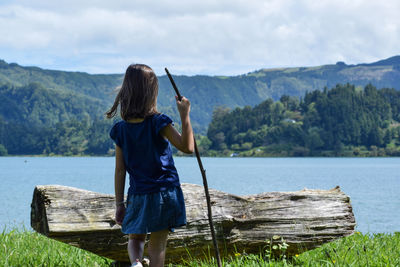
x,y
137,96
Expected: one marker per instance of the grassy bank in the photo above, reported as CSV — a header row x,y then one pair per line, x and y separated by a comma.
x,y
25,248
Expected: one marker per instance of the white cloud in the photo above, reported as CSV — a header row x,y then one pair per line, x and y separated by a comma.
x,y
196,37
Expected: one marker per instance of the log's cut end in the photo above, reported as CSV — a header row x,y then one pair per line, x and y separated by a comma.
x,y
79,218
58,209
38,211
303,219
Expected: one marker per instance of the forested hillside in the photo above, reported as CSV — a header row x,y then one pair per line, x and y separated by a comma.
x,y
47,111
37,120
208,92
343,121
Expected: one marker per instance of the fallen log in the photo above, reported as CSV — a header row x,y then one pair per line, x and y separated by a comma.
x,y
303,220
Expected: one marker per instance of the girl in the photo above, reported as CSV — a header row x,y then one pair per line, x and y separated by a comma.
x,y
142,148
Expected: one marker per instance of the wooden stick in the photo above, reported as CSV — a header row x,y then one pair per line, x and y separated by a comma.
x,y
173,84
203,174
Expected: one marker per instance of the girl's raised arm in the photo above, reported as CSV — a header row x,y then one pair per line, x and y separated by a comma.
x,y
185,141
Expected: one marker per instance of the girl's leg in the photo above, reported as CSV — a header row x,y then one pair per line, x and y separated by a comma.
x,y
156,248
136,246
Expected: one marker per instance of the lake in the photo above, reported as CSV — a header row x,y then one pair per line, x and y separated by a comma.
x,y
373,184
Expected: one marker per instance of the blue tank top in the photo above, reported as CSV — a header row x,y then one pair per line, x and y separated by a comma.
x,y
147,154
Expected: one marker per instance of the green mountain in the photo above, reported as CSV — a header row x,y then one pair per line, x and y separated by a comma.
x,y
253,88
207,92
96,86
37,101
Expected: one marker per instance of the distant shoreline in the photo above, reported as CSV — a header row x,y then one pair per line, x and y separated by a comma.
x,y
206,156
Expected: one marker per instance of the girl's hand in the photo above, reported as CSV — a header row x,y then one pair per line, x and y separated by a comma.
x,y
183,106
119,214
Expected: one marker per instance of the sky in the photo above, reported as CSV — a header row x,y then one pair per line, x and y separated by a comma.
x,y
210,37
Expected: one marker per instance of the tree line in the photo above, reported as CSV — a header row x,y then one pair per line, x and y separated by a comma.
x,y
64,138
342,121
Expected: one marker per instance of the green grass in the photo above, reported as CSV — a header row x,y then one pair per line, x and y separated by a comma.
x,y
25,248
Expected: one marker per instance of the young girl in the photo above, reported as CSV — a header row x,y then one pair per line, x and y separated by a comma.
x,y
142,148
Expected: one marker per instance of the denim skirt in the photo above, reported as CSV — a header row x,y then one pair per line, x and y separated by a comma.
x,y
153,212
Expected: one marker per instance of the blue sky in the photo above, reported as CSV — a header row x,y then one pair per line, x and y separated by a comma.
x,y
224,37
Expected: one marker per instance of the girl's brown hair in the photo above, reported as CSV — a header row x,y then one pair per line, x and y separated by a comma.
x,y
137,96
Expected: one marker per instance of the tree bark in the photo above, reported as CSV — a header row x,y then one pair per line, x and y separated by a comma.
x,y
304,220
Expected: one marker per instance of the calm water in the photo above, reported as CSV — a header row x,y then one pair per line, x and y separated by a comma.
x,y
373,184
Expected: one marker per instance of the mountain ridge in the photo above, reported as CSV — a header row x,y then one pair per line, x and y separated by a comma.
x,y
387,61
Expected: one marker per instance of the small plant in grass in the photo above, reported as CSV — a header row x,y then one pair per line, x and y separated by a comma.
x,y
276,249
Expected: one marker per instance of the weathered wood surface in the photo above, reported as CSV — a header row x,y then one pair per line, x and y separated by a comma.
x,y
304,219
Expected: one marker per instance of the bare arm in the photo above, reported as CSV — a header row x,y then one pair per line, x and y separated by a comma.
x,y
185,141
119,184
120,174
